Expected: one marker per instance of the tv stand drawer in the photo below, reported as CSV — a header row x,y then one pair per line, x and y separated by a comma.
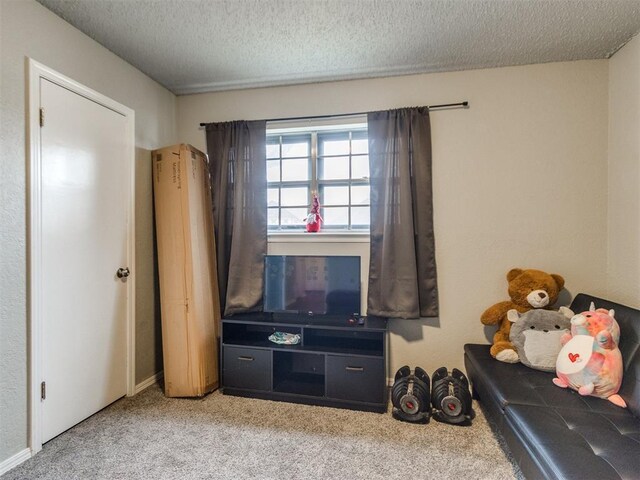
x,y
355,378
246,368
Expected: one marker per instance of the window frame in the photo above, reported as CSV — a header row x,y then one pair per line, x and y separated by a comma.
x,y
289,183
315,134
321,184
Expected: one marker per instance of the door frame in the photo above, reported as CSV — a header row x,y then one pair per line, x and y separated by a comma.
x,y
36,72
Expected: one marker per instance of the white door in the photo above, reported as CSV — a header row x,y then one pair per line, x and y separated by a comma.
x,y
85,201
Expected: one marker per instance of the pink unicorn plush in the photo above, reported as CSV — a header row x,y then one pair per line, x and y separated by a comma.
x,y
590,360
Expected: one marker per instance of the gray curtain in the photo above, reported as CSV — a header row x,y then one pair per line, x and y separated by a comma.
x,y
402,275
237,152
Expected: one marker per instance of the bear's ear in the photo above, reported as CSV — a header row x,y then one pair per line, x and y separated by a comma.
x,y
612,312
566,311
592,307
513,315
513,273
559,280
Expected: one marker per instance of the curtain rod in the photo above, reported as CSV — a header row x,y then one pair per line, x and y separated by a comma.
x,y
464,104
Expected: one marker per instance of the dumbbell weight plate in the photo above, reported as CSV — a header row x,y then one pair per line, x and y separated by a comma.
x,y
399,389
421,389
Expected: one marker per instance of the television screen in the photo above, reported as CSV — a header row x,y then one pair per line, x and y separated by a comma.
x,y
314,285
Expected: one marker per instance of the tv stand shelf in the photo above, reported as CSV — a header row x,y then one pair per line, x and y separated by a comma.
x,y
335,364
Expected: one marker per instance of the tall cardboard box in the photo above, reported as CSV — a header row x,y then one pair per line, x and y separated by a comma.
x,y
189,300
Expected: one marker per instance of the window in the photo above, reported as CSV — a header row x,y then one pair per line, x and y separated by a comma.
x,y
333,162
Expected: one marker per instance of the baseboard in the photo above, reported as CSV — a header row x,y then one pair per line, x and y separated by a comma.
x,y
149,381
15,460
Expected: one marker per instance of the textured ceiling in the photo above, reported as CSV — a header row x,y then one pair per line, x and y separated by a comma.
x,y
194,46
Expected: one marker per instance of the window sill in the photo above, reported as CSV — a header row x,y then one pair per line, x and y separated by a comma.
x,y
322,237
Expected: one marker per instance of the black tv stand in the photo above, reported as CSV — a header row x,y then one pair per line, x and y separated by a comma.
x,y
338,363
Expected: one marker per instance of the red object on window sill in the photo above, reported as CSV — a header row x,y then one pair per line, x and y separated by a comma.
x,y
314,222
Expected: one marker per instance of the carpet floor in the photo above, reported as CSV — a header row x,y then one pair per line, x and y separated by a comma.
x,y
150,436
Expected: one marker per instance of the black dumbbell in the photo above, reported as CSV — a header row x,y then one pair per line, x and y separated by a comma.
x,y
410,395
451,397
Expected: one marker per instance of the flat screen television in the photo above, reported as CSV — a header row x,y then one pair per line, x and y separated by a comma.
x,y
312,285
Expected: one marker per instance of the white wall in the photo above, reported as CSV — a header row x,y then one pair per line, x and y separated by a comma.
x,y
30,30
624,175
519,180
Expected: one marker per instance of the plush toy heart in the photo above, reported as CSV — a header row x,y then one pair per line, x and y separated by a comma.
x,y
573,357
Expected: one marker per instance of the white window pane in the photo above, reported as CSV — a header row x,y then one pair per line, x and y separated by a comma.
x,y
272,197
273,171
335,147
272,217
295,149
360,166
360,216
273,150
335,216
359,146
295,196
360,195
294,216
336,168
335,196
295,170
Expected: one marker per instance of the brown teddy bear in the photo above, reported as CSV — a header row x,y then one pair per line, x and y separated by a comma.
x,y
528,289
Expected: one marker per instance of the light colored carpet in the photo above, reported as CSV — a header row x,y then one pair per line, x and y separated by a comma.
x,y
152,437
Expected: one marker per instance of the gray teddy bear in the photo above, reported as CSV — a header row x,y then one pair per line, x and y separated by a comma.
x,y
536,335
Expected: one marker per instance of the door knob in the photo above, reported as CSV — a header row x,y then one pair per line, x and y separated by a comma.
x,y
123,272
